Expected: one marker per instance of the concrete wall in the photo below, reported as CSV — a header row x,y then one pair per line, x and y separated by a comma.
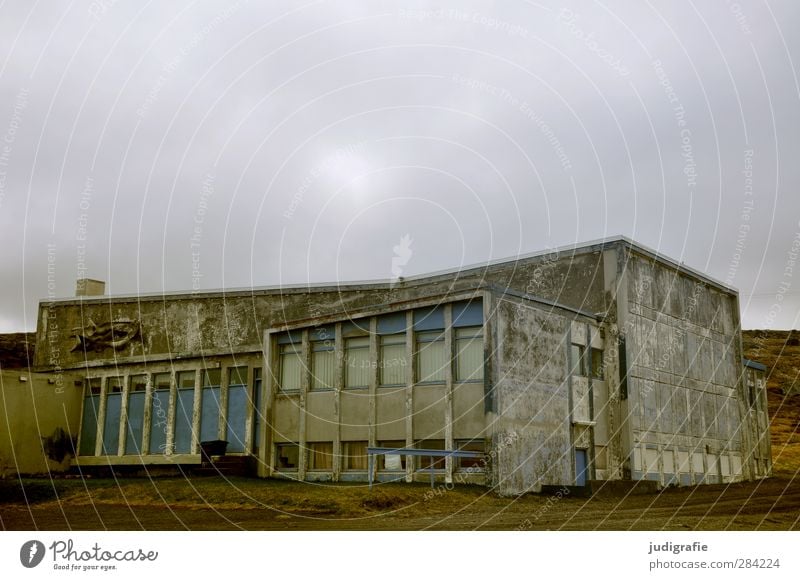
x,y
39,416
182,326
531,438
684,389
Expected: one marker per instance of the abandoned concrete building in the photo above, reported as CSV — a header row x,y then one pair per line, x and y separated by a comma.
x,y
604,361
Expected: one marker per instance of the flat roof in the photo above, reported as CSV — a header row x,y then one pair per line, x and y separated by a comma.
x,y
573,249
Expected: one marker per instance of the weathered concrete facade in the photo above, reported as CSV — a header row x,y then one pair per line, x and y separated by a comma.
x,y
40,416
605,361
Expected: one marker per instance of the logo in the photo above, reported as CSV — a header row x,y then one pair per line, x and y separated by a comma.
x,y
31,553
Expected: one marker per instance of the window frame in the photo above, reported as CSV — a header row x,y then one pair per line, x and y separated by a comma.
x,y
399,339
283,352
457,340
422,340
278,447
347,360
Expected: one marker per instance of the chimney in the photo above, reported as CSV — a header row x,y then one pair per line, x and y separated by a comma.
x,y
89,287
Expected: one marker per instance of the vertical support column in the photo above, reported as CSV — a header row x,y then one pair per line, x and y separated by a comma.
x,y
268,382
410,393
490,395
449,442
338,351
101,417
171,411
197,409
373,381
590,457
224,376
304,384
123,415
147,421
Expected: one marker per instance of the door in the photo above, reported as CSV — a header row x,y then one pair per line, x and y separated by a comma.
x,y
580,467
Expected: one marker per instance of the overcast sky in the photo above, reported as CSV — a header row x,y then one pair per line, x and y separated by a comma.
x,y
227,144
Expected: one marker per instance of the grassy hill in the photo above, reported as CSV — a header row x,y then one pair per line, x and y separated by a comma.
x,y
780,352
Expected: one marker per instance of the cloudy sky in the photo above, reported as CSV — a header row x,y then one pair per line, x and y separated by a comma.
x,y
207,145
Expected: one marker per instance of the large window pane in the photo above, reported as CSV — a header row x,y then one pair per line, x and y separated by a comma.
x,y
355,455
431,358
469,353
287,457
393,361
184,411
320,456
597,364
470,463
291,367
357,364
159,424
323,365
424,462
392,462
257,395
577,359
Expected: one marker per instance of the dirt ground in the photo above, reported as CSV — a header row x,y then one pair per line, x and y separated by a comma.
x,y
247,504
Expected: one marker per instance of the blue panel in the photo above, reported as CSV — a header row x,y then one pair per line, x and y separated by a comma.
x,y
292,337
89,427
686,479
322,333
429,318
209,414
135,427
111,426
580,467
355,327
158,422
183,421
237,416
392,323
468,313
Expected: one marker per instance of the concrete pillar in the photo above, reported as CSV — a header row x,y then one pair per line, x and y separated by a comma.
x,y
338,350
410,366
449,442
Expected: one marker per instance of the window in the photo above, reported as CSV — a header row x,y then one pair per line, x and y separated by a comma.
x,y
159,414
320,456
470,463
185,379
323,364
469,353
237,376
596,364
431,359
115,384
355,455
393,360
161,382
357,363
257,395
577,356
291,367
287,456
212,377
95,385
138,383
424,461
392,462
